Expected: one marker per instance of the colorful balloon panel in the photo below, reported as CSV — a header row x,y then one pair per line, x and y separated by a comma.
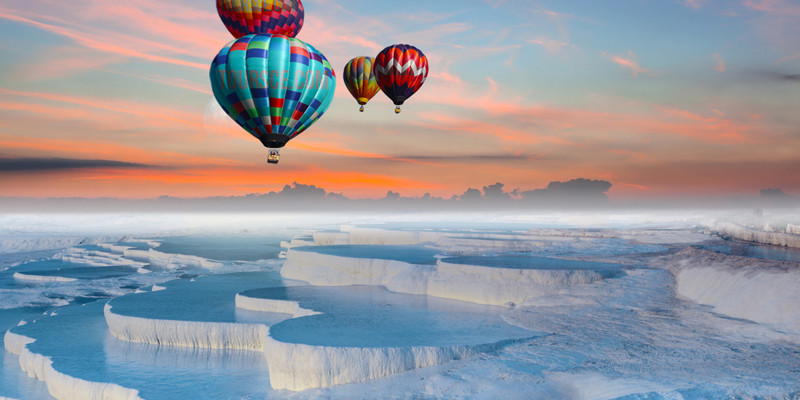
x,y
360,80
400,70
253,17
273,86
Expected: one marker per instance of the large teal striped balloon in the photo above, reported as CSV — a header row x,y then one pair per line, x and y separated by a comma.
x,y
273,86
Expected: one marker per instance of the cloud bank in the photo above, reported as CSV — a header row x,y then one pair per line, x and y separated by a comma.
x,y
51,164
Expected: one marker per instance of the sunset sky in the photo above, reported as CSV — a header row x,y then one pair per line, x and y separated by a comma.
x,y
102,98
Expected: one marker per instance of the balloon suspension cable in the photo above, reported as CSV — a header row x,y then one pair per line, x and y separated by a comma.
x,y
397,110
361,109
274,156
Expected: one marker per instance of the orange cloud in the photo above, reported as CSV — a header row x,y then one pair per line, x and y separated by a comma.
x,y
446,122
154,114
712,177
50,111
72,60
503,116
201,182
171,81
327,34
196,30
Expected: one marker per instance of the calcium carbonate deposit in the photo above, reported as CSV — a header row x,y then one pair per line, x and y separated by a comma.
x,y
654,306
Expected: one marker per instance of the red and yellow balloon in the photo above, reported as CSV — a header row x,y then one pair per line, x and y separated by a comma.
x,y
360,80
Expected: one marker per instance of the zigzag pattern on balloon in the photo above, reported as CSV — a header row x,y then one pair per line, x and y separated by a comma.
x,y
402,68
247,17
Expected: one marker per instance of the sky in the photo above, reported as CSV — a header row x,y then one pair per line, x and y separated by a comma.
x,y
663,98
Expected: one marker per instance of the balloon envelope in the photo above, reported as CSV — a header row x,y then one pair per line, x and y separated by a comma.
x,y
360,80
253,17
273,86
400,70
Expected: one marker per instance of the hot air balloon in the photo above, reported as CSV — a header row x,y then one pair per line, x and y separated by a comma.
x,y
401,70
360,80
253,17
273,86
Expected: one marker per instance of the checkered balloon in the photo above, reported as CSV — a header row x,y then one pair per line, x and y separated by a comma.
x,y
249,17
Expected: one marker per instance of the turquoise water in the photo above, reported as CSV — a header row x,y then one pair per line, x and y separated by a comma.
x,y
135,245
522,262
370,316
765,252
410,254
207,298
91,247
225,248
87,272
464,227
13,382
7,277
78,342
93,282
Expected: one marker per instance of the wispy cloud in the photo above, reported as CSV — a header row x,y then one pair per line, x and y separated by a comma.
x,y
33,147
333,149
100,44
446,122
551,45
784,7
719,63
552,14
788,58
512,120
348,32
152,114
495,3
72,60
170,81
696,4
466,158
778,25
628,62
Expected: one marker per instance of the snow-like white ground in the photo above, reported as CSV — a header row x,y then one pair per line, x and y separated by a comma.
x,y
197,334
213,321
42,278
592,306
344,334
60,385
764,291
473,283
